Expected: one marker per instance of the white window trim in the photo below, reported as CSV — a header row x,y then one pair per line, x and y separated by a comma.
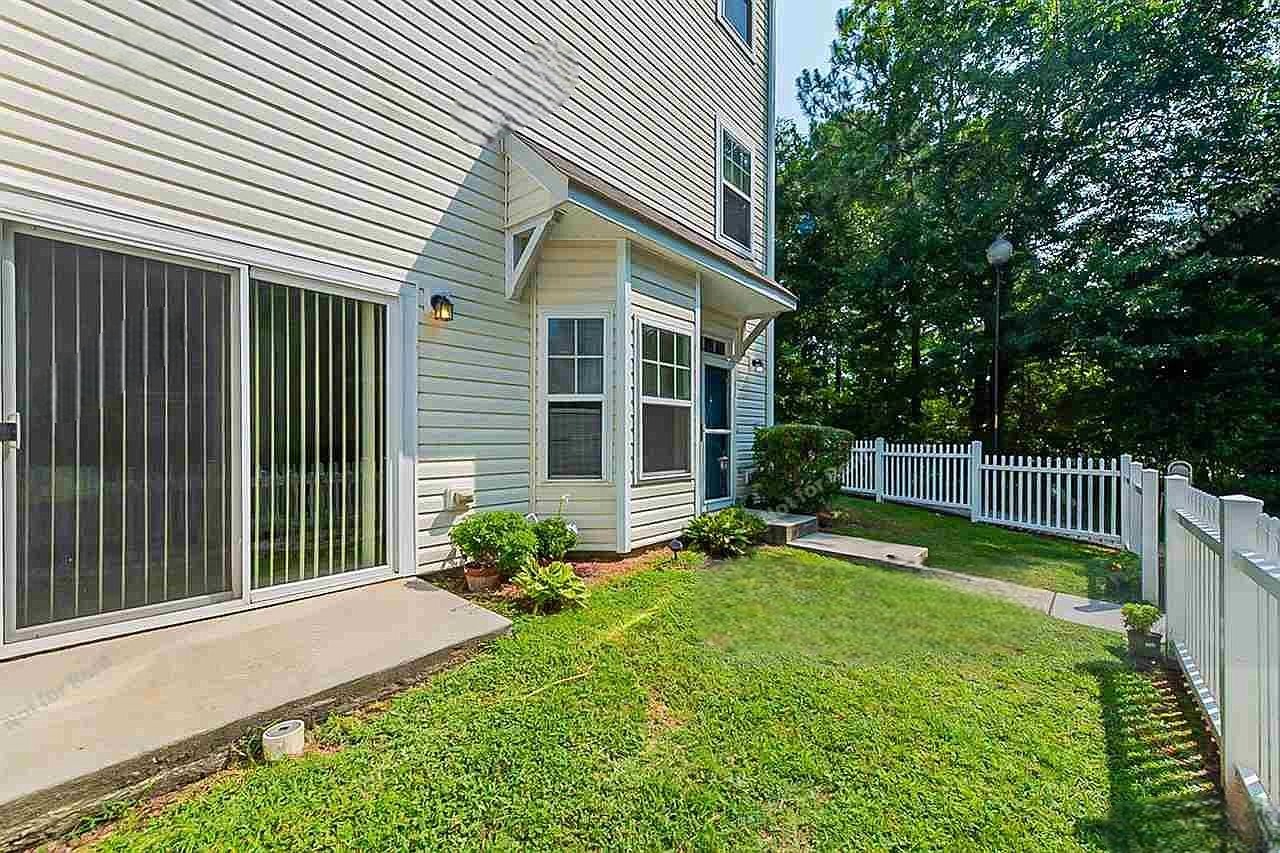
x,y
743,44
726,364
643,476
546,398
68,222
723,126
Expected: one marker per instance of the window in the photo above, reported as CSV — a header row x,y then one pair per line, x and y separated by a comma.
x,y
317,379
715,346
575,398
666,400
737,14
735,191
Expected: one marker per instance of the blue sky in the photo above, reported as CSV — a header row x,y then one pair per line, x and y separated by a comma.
x,y
806,29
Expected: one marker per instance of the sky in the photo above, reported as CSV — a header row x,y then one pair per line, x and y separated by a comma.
x,y
806,29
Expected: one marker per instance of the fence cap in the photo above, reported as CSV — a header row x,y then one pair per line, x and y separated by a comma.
x,y
1180,469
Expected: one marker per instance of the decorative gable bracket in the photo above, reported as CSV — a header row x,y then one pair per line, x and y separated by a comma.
x,y
524,242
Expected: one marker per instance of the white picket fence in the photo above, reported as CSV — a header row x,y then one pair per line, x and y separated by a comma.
x,y
1109,501
1221,577
1223,624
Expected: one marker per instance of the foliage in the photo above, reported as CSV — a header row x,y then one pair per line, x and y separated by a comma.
x,y
781,702
727,533
556,537
797,466
1140,617
550,586
499,540
1099,136
958,544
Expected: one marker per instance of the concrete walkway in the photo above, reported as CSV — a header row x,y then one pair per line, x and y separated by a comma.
x,y
152,710
1059,605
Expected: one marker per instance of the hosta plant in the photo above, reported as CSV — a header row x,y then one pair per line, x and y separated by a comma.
x,y
727,533
551,586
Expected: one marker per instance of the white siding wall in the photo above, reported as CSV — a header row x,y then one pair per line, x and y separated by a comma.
x,y
579,277
661,293
750,410
362,136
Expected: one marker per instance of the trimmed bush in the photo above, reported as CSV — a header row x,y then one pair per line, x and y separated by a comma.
x,y
798,466
552,585
728,533
496,540
1140,617
556,537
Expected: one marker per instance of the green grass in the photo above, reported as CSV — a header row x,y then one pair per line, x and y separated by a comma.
x,y
782,701
982,549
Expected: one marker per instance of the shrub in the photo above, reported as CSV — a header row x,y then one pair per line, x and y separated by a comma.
x,y
1140,617
798,466
556,537
500,540
728,533
552,585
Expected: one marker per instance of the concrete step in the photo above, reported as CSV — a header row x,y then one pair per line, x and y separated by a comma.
x,y
910,557
785,528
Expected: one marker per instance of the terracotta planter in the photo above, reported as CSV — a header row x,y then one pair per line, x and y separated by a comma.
x,y
1145,648
482,580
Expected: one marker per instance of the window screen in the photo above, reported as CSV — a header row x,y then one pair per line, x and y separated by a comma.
x,y
666,438
575,441
123,476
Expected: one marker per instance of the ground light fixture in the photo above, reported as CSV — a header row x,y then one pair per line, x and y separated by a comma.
x,y
442,307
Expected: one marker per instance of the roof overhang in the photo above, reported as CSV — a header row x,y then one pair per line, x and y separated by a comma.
x,y
727,279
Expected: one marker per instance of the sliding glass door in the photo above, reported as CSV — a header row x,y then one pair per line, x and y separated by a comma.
x,y
120,477
318,420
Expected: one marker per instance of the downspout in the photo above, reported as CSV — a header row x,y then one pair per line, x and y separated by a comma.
x,y
771,133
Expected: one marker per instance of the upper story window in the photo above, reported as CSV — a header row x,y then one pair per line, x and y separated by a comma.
x,y
737,15
735,204
575,398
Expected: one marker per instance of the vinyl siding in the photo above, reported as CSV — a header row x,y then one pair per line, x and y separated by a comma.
x,y
578,277
362,137
664,294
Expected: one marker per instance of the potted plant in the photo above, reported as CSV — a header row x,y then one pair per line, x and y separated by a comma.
x,y
496,545
1144,644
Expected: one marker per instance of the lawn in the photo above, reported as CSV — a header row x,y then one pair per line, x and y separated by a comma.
x,y
958,544
782,701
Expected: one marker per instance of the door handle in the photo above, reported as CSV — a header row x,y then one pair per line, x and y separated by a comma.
x,y
11,431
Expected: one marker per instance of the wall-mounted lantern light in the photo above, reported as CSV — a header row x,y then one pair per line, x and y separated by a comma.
x,y
442,307
757,364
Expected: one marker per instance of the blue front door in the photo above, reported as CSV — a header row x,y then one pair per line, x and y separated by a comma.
x,y
717,433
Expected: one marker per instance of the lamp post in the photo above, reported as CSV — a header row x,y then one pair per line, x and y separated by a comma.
x,y
998,255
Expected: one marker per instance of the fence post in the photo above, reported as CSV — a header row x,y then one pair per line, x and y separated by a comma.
x,y
1151,535
1126,533
1175,569
1136,497
1237,614
975,481
879,470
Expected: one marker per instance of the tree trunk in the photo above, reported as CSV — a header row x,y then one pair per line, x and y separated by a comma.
x,y
917,406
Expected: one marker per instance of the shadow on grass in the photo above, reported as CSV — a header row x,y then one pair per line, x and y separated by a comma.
x,y
1161,765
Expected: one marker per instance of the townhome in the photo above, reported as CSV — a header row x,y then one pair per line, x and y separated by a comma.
x,y
289,287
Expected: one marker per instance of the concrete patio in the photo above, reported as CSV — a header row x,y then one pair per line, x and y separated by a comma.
x,y
147,712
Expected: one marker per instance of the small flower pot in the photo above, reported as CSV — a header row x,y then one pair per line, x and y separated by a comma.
x,y
481,579
1145,647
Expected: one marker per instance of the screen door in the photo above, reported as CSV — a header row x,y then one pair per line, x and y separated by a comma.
x,y
118,486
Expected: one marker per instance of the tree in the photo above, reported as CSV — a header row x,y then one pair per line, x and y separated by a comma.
x,y
1096,135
